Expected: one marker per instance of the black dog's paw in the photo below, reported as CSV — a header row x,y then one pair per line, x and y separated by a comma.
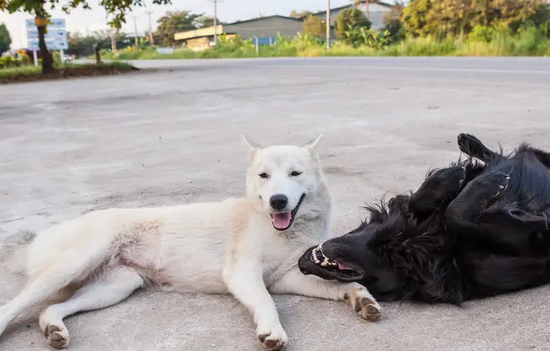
x,y
455,175
469,144
497,183
440,187
448,181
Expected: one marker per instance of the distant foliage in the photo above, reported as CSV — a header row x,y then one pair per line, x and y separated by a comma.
x,y
179,21
442,18
9,62
481,33
314,25
393,24
415,18
350,20
5,39
84,46
299,14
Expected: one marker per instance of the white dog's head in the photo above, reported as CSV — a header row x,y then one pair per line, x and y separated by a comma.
x,y
280,179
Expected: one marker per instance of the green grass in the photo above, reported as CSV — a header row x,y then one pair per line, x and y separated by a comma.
x,y
527,42
30,72
121,66
12,72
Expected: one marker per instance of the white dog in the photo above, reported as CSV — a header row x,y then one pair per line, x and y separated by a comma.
x,y
247,247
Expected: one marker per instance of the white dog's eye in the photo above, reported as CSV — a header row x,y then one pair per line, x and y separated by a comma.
x,y
264,175
295,173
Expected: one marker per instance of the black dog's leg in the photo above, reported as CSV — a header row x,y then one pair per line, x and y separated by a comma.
x,y
507,228
463,212
473,147
543,156
437,190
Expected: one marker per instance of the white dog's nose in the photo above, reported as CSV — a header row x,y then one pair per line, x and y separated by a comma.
x,y
278,202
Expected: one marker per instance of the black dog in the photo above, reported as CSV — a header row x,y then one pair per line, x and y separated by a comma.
x,y
470,231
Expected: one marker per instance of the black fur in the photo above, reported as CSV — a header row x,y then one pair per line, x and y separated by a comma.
x,y
471,230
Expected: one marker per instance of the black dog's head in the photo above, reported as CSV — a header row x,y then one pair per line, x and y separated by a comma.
x,y
402,250
347,258
373,253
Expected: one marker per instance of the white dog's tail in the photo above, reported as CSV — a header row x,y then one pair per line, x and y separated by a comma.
x,y
13,251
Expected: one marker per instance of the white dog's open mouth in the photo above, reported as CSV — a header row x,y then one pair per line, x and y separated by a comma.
x,y
284,220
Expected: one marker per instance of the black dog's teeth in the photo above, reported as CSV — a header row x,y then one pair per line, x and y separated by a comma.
x,y
320,259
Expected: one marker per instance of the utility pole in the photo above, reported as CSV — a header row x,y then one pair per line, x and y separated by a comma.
x,y
328,24
113,40
215,21
151,41
135,31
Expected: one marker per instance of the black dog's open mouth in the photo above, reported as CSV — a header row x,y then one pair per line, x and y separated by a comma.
x,y
284,220
344,270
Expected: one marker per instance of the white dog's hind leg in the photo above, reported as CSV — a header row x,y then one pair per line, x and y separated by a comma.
x,y
110,288
35,292
245,282
356,295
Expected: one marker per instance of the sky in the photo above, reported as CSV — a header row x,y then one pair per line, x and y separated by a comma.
x,y
228,11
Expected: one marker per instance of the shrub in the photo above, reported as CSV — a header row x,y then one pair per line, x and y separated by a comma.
x,y
314,25
25,59
481,34
349,20
395,29
7,61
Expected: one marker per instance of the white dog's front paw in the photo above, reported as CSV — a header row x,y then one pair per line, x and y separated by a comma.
x,y
273,337
364,304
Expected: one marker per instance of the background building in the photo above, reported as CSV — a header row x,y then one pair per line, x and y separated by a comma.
x,y
376,12
265,29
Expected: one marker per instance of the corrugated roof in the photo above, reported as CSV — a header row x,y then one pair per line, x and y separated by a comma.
x,y
381,3
264,18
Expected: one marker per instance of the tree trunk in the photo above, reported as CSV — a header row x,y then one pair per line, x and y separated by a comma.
x,y
47,61
97,55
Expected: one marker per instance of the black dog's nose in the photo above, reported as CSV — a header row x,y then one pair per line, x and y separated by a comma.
x,y
278,202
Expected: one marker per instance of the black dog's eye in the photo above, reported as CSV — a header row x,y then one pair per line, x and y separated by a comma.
x,y
264,175
295,173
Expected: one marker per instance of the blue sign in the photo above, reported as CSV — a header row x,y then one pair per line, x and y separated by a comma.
x,y
55,36
264,41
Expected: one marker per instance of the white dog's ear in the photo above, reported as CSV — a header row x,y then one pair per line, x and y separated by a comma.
x,y
313,143
252,145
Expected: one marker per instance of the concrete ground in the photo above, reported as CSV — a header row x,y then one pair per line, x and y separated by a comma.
x,y
172,136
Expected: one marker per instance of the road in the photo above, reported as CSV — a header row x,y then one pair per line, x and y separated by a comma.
x,y
171,135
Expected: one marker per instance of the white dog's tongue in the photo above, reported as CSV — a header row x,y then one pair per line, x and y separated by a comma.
x,y
281,220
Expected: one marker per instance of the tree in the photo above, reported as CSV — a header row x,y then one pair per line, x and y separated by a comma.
x,y
314,25
455,17
205,21
367,2
117,9
81,46
393,25
300,14
415,17
348,20
5,39
179,21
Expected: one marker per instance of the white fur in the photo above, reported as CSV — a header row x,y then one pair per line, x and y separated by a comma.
x,y
228,246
